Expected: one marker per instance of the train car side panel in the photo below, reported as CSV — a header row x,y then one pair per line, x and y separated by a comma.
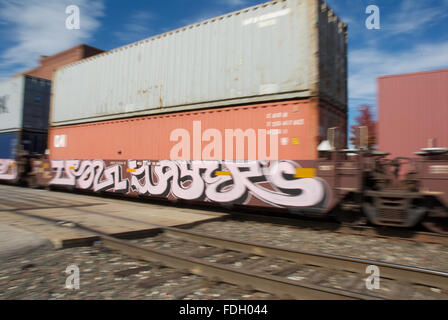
x,y
277,184
433,179
284,130
8,144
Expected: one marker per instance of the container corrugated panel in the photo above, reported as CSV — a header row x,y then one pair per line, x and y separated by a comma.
x,y
268,52
8,144
36,104
332,58
11,103
34,142
413,108
294,123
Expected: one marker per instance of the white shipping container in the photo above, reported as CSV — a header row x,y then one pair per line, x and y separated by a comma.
x,y
277,50
11,102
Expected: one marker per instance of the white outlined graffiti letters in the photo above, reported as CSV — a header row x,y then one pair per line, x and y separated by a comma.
x,y
227,182
88,174
8,170
63,172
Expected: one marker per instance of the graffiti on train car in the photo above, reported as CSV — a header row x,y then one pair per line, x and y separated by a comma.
x,y
87,175
228,182
8,169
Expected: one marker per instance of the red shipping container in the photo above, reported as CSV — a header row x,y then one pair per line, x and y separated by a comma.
x,y
202,134
413,108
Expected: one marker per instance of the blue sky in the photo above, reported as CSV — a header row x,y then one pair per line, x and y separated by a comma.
x,y
413,35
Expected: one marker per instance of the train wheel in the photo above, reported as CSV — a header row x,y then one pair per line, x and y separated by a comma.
x,y
436,224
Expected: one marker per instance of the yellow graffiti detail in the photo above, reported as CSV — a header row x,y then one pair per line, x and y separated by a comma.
x,y
305,173
223,173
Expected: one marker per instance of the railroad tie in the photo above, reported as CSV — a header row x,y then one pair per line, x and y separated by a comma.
x,y
287,271
128,272
202,253
156,281
235,258
186,290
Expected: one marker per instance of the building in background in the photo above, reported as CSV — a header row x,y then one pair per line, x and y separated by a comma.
x,y
49,64
413,112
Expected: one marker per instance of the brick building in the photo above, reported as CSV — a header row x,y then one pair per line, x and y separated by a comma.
x,y
49,64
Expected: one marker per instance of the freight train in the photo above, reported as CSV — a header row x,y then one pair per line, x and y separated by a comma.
x,y
238,110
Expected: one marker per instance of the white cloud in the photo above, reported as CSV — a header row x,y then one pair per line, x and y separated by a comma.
x,y
402,17
225,6
372,61
215,12
137,28
38,28
202,16
413,15
234,3
368,64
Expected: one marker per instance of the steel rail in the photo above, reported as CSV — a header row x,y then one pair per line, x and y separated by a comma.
x,y
268,283
415,275
276,285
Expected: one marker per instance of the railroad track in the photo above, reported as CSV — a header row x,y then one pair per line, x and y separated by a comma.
x,y
315,223
284,273
328,226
